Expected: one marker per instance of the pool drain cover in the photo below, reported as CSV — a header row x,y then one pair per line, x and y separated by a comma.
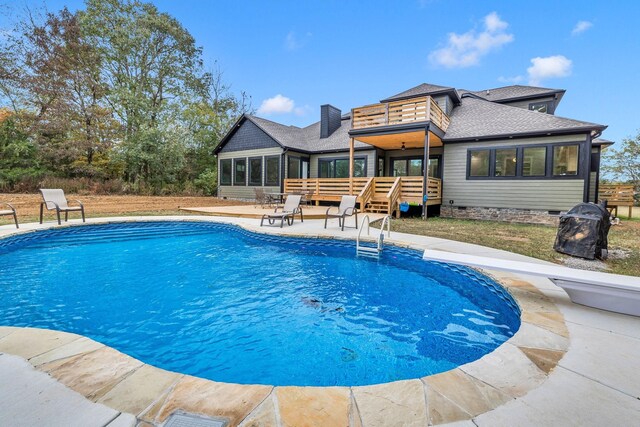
x,y
183,419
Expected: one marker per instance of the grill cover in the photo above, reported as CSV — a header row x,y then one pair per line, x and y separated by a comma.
x,y
583,231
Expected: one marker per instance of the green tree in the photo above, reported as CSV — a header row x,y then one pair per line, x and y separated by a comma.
x,y
623,164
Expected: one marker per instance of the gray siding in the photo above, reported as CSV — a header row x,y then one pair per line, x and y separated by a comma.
x,y
549,194
369,154
247,191
249,137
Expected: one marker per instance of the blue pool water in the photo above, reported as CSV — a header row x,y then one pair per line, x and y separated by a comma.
x,y
222,303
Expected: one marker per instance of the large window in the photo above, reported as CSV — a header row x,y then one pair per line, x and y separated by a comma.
x,y
339,168
540,161
565,160
240,171
534,161
479,163
505,162
272,171
412,166
255,171
225,172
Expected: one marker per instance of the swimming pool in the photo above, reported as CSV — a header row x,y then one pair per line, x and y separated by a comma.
x,y
222,303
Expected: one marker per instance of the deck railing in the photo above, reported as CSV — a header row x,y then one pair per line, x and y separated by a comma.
x,y
392,190
420,109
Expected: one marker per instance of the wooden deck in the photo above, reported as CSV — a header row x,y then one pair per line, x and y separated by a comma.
x,y
255,211
617,195
375,194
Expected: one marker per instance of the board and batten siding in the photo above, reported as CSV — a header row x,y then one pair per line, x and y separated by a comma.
x,y
246,191
548,194
369,154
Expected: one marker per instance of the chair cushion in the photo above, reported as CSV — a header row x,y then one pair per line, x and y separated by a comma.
x,y
6,212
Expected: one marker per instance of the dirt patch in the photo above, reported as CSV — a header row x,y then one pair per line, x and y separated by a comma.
x,y
28,205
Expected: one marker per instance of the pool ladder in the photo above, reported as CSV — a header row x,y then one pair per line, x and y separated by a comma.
x,y
373,251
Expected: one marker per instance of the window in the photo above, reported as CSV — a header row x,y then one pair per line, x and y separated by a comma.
x,y
407,166
534,161
549,161
225,172
272,171
434,167
255,171
293,167
542,107
240,168
505,162
565,160
339,168
380,166
479,162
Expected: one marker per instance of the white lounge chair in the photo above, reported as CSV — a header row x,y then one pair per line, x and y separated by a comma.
x,y
11,211
347,208
287,213
54,199
612,292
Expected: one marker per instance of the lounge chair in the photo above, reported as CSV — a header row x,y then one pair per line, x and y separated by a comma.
x,y
11,211
287,213
54,199
347,208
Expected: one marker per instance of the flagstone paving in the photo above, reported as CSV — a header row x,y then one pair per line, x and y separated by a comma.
x,y
567,365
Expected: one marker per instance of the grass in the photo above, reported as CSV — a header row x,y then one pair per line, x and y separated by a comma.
x,y
526,239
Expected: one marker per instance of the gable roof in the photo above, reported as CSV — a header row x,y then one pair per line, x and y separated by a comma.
x,y
424,89
306,140
477,118
515,92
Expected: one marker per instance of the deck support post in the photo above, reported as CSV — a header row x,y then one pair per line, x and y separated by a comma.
x,y
425,173
351,149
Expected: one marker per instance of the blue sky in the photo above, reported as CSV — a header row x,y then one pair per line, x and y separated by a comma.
x,y
294,56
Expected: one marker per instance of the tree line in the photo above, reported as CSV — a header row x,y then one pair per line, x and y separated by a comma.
x,y
112,98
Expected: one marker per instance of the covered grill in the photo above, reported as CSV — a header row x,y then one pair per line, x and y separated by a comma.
x,y
583,231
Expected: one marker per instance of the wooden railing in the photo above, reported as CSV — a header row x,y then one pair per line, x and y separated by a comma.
x,y
387,189
393,195
617,195
419,109
367,192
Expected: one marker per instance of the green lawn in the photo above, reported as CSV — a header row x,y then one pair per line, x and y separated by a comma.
x,y
532,240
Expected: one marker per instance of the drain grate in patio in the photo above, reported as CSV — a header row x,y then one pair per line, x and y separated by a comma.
x,y
184,419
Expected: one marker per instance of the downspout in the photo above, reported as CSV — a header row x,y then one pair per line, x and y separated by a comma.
x,y
425,172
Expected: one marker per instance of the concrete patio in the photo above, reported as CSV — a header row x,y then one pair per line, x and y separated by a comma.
x,y
569,365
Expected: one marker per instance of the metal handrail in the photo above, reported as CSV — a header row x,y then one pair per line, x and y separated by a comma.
x,y
386,220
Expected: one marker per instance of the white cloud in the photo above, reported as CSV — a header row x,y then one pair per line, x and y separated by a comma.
x,y
276,105
548,67
581,27
294,42
465,50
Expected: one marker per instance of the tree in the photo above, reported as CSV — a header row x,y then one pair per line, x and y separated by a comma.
x,y
623,164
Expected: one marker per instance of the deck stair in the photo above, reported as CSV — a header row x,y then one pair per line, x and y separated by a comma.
x,y
367,249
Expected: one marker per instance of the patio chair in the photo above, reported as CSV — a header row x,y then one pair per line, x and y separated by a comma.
x,y
261,197
55,199
287,213
347,208
10,211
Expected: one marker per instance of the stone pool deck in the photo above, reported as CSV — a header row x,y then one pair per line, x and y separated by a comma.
x,y
567,365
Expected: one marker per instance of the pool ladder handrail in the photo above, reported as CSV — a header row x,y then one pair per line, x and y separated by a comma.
x,y
367,250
